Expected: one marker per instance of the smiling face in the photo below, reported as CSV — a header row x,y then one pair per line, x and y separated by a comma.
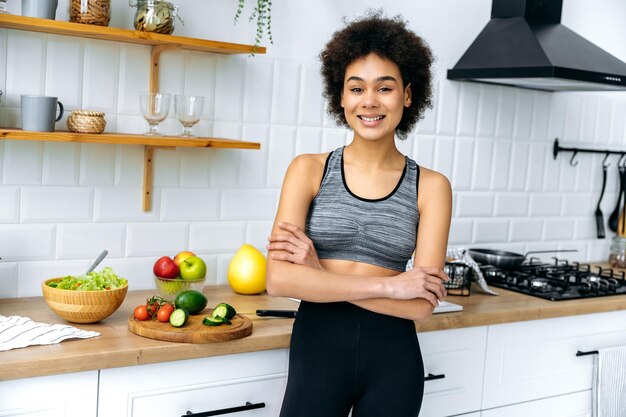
x,y
374,97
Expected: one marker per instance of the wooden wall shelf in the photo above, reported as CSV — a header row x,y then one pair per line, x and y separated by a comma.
x,y
149,143
127,139
58,27
159,44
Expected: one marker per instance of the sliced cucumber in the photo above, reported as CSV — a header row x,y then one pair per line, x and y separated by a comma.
x,y
211,321
179,317
224,310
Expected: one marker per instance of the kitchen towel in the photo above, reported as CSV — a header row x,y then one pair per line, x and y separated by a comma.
x,y
18,332
609,382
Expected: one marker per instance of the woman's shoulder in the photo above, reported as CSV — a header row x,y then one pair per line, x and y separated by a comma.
x,y
309,162
432,182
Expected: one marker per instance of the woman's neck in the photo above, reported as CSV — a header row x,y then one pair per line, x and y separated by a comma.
x,y
373,154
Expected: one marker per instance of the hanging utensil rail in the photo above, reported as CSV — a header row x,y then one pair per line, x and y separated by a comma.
x,y
558,148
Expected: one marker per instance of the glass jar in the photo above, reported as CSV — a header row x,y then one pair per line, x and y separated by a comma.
x,y
154,16
617,253
90,12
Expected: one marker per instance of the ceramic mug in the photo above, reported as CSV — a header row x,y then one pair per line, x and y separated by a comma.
x,y
40,112
45,9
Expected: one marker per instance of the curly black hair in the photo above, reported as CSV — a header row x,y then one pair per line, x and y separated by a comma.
x,y
388,38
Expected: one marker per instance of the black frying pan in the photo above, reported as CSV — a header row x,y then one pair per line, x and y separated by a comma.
x,y
504,259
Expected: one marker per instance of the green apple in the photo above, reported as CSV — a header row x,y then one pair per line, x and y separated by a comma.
x,y
192,268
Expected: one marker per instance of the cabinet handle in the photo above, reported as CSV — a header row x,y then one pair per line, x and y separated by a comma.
x,y
591,352
248,406
430,377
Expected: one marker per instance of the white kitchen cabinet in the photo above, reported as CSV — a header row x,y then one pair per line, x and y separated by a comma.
x,y
571,405
196,385
537,359
67,395
458,355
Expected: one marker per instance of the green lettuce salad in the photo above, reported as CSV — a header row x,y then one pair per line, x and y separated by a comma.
x,y
93,281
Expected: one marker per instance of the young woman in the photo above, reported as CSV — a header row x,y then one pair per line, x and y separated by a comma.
x,y
348,222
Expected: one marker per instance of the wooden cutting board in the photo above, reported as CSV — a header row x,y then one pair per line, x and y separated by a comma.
x,y
193,331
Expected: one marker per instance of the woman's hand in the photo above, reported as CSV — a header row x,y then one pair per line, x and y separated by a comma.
x,y
293,246
419,282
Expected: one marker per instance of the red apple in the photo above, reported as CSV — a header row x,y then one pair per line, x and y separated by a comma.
x,y
165,267
182,256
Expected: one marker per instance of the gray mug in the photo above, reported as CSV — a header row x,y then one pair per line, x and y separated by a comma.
x,y
40,112
45,9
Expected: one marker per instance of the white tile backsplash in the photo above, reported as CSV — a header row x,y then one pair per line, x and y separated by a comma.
x,y
281,152
258,91
180,204
22,162
56,204
64,70
97,164
8,279
62,203
24,47
285,100
101,76
27,242
245,204
466,125
216,237
60,163
87,240
156,239
9,204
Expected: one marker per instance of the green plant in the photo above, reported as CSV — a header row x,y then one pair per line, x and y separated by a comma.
x,y
263,14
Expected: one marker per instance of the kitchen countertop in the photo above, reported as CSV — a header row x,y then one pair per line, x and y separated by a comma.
x,y
119,347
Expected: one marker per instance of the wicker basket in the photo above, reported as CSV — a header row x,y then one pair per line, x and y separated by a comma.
x,y
82,306
84,121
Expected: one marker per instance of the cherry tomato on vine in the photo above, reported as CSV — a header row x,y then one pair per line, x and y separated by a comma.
x,y
141,313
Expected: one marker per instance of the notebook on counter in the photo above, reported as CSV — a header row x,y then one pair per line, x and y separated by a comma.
x,y
447,307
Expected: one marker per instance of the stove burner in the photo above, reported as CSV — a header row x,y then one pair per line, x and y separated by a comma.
x,y
560,280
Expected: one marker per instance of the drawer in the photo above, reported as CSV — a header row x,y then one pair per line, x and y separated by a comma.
x,y
459,356
177,401
196,385
43,396
537,359
571,405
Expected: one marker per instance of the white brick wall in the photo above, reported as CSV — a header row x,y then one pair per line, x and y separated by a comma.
x,y
61,204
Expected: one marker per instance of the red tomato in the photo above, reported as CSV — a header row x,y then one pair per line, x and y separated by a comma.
x,y
141,313
164,313
153,307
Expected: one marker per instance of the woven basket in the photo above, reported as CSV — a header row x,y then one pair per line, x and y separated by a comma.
x,y
84,121
91,12
82,306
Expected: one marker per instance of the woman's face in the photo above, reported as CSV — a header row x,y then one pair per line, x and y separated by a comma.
x,y
373,97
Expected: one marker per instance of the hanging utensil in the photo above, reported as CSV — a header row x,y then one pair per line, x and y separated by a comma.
x,y
97,261
614,217
599,217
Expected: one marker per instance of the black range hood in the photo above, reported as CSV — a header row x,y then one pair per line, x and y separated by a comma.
x,y
525,45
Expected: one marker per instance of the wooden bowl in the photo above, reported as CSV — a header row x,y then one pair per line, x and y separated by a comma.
x,y
82,306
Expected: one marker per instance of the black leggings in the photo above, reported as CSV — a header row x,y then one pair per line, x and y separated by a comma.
x,y
343,356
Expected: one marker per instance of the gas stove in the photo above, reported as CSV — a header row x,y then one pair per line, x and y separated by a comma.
x,y
560,280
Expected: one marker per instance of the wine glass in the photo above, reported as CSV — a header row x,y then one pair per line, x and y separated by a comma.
x,y
154,108
188,110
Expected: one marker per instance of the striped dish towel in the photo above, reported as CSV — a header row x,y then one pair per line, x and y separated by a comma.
x,y
609,382
18,332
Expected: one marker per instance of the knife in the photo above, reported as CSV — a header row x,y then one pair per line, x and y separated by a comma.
x,y
276,313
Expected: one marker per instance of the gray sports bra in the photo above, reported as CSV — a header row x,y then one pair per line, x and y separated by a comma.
x,y
379,231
